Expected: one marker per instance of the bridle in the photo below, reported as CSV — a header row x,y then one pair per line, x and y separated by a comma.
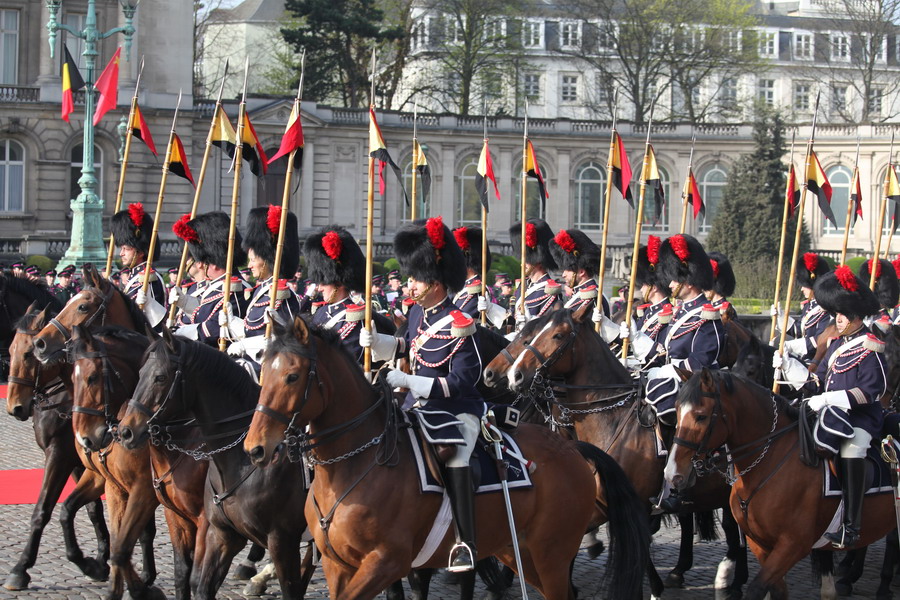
x,y
548,361
155,429
41,392
107,369
100,312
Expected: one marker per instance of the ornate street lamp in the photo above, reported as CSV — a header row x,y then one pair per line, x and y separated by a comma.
x,y
86,243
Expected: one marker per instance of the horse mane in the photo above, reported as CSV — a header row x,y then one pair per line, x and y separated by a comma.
x,y
134,311
287,342
690,390
33,291
224,373
114,332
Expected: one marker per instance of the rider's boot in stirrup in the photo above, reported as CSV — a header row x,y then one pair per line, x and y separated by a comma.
x,y
853,486
462,501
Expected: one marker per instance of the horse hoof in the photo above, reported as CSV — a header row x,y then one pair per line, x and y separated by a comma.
x,y
254,589
728,594
244,572
450,578
17,581
595,550
148,577
674,580
843,590
154,593
95,570
489,595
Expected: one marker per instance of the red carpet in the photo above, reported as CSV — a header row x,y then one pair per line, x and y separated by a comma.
x,y
22,486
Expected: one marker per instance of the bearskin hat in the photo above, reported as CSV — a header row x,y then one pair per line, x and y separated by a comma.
x,y
887,287
334,258
133,227
840,291
723,275
648,265
683,259
261,236
537,239
573,250
207,238
810,267
427,251
469,241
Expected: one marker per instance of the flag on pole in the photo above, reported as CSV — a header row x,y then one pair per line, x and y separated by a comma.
x,y
652,180
621,170
292,138
253,151
483,173
423,169
378,151
71,83
223,135
856,197
108,86
178,163
893,187
532,169
817,183
692,195
794,187
140,130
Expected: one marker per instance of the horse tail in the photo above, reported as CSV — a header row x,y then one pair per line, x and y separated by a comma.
x,y
822,565
705,522
629,535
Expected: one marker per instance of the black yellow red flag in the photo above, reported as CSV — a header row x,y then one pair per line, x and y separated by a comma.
x,y
533,169
794,190
178,163
621,170
71,83
378,151
292,139
140,130
817,183
484,173
253,151
856,197
424,169
652,179
692,196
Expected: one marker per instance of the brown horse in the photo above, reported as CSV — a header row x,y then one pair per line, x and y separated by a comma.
x,y
600,400
365,508
776,499
44,397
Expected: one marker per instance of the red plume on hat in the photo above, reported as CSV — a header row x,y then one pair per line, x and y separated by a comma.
x,y
332,244
435,229
811,261
531,237
273,219
462,237
846,278
896,263
565,241
185,231
715,267
137,214
653,244
877,268
680,247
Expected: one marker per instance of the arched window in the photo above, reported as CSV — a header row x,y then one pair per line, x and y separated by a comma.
x,y
75,170
532,195
840,178
712,188
889,210
468,204
270,187
590,187
12,176
421,203
650,223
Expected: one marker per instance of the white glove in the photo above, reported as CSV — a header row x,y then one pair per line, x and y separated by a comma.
x,y
624,333
233,326
154,311
776,312
174,295
609,331
141,298
188,331
383,346
418,385
641,345
796,347
496,314
777,361
482,304
664,372
311,290
793,372
236,348
520,320
837,398
597,315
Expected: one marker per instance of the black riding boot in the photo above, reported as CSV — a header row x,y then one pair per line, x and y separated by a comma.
x,y
853,486
462,502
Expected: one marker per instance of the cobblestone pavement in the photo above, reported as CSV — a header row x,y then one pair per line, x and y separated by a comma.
x,y
54,578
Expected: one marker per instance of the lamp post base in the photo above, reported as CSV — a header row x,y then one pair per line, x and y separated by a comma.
x,y
87,233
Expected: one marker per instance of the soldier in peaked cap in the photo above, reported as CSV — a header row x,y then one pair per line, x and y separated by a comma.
x,y
260,242
723,284
887,292
18,269
542,294
207,239
850,380
813,318
132,229
469,299
337,265
445,362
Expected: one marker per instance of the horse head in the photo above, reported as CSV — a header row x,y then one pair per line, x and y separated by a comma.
x,y
754,361
498,367
26,375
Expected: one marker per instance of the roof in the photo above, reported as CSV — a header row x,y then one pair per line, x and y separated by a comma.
x,y
251,11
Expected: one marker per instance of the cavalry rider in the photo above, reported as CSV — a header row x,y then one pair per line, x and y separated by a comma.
x,y
541,292
445,362
578,258
207,239
336,263
887,292
851,378
813,318
132,229
653,317
260,242
723,284
469,299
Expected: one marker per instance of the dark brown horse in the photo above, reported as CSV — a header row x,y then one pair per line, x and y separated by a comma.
x,y
776,499
365,508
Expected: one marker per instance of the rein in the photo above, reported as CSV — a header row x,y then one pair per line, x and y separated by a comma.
x,y
100,312
42,392
106,370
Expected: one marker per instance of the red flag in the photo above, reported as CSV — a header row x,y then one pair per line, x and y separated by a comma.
x,y
178,163
108,86
621,169
292,138
856,197
252,151
794,191
692,195
71,83
140,130
483,173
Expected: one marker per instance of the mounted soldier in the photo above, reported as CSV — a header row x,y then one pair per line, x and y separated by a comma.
x,y
887,292
652,318
723,284
813,318
542,293
469,299
445,362
132,229
578,258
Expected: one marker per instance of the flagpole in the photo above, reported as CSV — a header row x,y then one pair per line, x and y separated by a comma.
x,y
607,203
524,209
173,309
415,160
850,206
370,231
881,211
148,269
484,245
637,235
887,248
121,190
685,192
788,198
235,192
797,233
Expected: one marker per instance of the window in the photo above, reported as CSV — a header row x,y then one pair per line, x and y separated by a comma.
x,y
840,178
455,32
768,44
838,99
802,91
803,46
874,46
419,36
606,36
767,91
75,170
491,87
533,206
533,34
605,87
650,223
568,91
570,35
590,190
531,87
75,44
728,95
840,46
876,95
495,32
421,207
731,40
9,46
468,203
712,187
12,176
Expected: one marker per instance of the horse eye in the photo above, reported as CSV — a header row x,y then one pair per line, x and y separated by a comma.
x,y
557,336
292,378
160,379
28,355
700,418
82,308
92,379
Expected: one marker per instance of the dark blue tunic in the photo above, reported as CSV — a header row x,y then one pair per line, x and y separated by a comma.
x,y
287,306
156,289
576,301
813,321
207,314
694,342
537,301
468,302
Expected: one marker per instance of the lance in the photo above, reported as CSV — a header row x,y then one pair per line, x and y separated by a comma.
x,y
796,252
173,309
235,192
788,197
637,234
850,206
484,213
609,177
881,211
159,200
415,161
687,182
524,210
121,190
887,248
370,231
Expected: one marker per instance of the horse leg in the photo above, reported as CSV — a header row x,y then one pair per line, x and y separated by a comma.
x,y
133,517
183,534
285,553
377,570
308,568
675,578
823,570
850,569
656,583
247,568
891,553
774,565
259,582
420,583
734,565
148,559
88,490
222,545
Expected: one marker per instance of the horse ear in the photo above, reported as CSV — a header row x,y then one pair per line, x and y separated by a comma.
x,y
31,308
80,332
169,339
301,331
684,373
706,378
581,315
151,333
41,316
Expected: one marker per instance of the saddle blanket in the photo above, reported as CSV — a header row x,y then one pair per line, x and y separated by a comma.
x,y
518,476
878,476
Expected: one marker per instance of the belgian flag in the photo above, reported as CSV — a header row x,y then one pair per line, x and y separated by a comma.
x,y
378,151
892,187
650,177
485,173
793,188
692,195
223,135
817,183
621,170
71,83
178,163
292,139
253,151
140,130
856,197
532,169
423,169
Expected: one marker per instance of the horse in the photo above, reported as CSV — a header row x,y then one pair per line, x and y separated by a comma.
x,y
17,294
181,378
43,396
601,402
366,511
776,499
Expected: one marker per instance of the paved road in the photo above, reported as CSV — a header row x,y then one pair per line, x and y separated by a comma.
x,y
53,578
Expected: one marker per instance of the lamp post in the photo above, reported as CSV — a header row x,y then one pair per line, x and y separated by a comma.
x,y
86,244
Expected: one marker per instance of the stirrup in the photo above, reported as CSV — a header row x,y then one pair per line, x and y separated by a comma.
x,y
845,538
462,558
